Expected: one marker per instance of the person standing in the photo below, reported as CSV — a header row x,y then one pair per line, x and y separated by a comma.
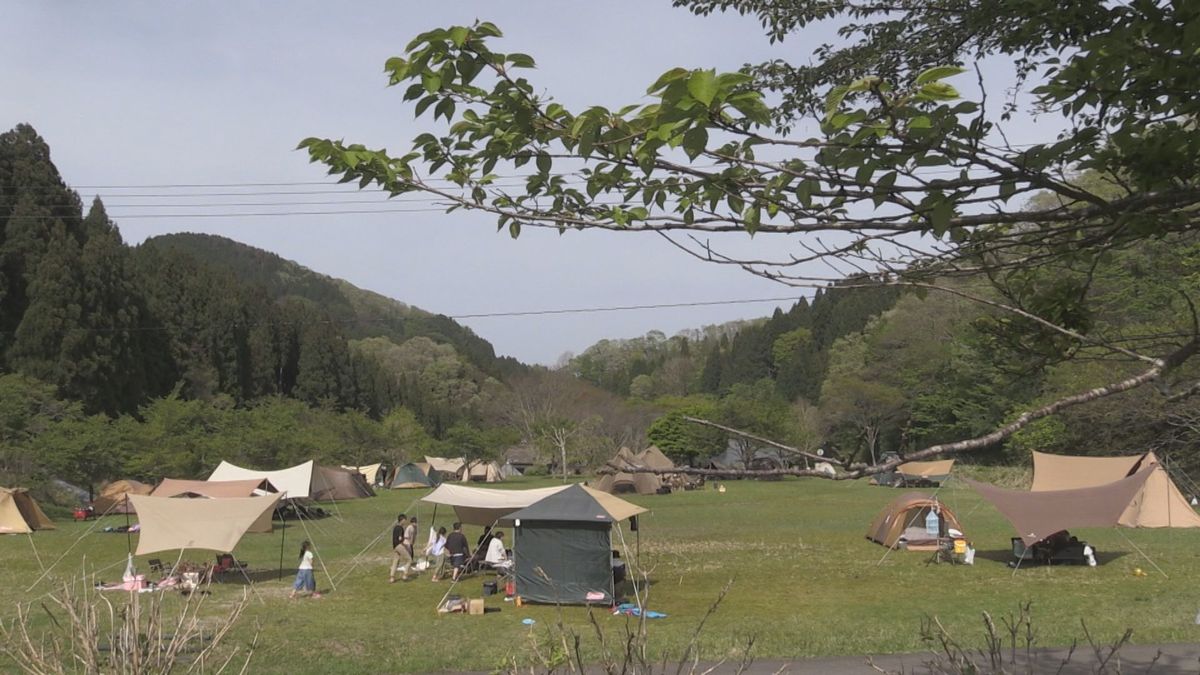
x,y
458,548
401,552
304,575
437,549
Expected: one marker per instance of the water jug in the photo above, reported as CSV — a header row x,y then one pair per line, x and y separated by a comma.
x,y
932,523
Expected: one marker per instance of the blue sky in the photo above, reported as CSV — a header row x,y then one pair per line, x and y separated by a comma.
x,y
150,93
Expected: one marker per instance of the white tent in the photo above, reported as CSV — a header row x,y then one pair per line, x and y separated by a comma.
x,y
484,506
294,482
449,468
169,524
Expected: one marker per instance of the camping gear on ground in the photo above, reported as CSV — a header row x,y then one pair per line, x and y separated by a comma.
x,y
630,609
112,496
20,513
1158,504
412,475
476,607
1059,548
489,588
915,522
213,524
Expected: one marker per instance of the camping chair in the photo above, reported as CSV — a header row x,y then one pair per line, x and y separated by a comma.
x,y
156,565
226,563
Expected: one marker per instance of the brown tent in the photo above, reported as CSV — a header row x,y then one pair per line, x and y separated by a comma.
x,y
902,521
1037,515
625,483
20,513
653,458
112,496
936,471
1159,504
335,483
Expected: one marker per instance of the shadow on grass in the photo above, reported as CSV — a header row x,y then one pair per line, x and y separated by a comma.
x,y
1004,556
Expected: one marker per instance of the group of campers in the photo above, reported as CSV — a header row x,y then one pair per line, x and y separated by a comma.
x,y
445,550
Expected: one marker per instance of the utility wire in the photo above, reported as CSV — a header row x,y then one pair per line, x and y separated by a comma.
x,y
481,315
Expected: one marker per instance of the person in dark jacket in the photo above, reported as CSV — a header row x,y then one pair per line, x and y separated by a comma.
x,y
458,549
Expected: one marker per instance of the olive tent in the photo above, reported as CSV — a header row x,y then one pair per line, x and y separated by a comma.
x,y
20,513
901,524
112,497
1158,504
331,483
414,476
562,546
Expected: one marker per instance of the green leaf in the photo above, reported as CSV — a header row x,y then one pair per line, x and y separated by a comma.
x,y
834,100
702,85
1007,189
695,141
938,91
458,35
514,229
543,163
667,78
431,81
938,73
445,109
521,60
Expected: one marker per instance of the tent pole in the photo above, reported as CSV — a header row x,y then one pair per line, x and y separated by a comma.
x,y
282,536
128,536
1143,554
35,551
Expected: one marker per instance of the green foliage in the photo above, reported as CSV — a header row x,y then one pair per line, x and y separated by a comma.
x,y
683,441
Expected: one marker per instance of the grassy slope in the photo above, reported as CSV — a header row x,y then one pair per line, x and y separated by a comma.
x,y
806,583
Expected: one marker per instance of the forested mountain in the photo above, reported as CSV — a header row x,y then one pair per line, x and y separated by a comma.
x,y
360,313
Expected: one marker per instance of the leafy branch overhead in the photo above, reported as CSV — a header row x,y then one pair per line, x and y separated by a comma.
x,y
883,159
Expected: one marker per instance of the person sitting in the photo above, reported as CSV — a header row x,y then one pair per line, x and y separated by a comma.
x,y
497,557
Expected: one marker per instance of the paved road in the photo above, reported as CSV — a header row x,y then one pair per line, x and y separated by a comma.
x,y
1175,659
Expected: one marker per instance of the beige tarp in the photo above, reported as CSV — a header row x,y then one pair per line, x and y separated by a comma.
x,y
212,524
220,489
20,513
112,496
449,468
484,506
370,471
905,516
215,489
1037,515
1159,504
926,469
294,482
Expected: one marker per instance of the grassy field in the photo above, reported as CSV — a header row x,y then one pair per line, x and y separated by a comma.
x,y
806,583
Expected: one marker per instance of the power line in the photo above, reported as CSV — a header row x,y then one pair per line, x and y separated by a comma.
x,y
459,317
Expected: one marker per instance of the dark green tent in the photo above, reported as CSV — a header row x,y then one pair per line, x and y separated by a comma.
x,y
412,476
562,546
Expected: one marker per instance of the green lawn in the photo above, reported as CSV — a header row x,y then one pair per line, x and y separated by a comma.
x,y
806,583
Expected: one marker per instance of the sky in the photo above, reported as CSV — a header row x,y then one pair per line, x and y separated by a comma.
x,y
132,94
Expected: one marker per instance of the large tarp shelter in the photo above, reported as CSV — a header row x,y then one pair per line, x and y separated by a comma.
x,y
20,513
293,482
331,483
112,496
369,471
226,489
562,546
485,506
214,489
1037,515
415,476
904,519
1158,504
212,524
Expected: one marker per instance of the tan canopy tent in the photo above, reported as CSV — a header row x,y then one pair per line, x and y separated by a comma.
x,y
1037,515
902,521
449,469
212,524
936,471
293,482
484,506
628,483
214,489
653,458
1158,504
485,472
112,496
20,513
369,471
228,489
